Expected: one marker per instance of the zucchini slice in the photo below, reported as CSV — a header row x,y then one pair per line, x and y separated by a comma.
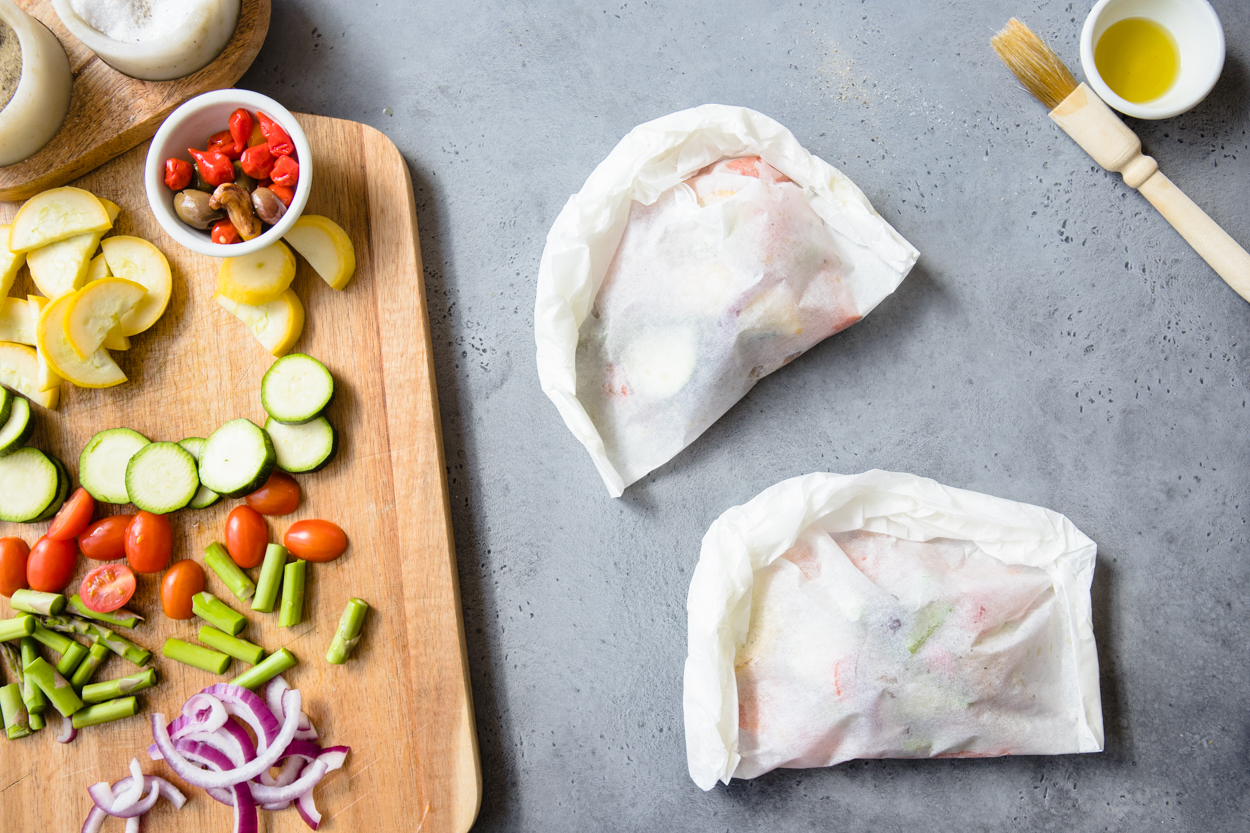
x,y
237,459
162,478
303,448
63,485
6,404
29,482
296,388
17,430
205,497
102,464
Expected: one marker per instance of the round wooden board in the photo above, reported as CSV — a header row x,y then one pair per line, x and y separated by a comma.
x,y
109,113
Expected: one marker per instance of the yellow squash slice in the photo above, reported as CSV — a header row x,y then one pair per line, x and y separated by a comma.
x,y
97,309
138,260
16,323
19,370
56,215
63,266
48,378
326,247
98,268
257,278
277,324
99,371
10,262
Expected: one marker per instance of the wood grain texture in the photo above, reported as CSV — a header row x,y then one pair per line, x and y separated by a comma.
x,y
403,702
110,113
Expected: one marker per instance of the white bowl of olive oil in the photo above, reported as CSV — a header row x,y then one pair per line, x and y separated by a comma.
x,y
1152,59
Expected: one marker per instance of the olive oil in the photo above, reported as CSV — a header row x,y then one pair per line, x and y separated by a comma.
x,y
1137,58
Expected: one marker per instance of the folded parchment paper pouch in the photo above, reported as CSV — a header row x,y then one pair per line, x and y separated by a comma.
x,y
883,615
708,250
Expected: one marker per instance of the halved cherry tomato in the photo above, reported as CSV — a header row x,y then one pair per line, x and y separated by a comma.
x,y
73,517
223,143
178,173
214,166
224,232
285,172
315,540
149,543
105,540
181,582
283,193
279,140
240,128
246,536
13,555
51,565
107,587
279,495
257,162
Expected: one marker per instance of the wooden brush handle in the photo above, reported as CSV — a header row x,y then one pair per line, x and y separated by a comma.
x,y
1102,134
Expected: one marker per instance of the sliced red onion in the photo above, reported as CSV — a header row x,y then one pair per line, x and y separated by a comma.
x,y
67,732
334,756
223,795
105,798
290,771
273,698
308,779
196,777
302,749
132,825
95,820
253,711
201,713
130,794
244,809
308,811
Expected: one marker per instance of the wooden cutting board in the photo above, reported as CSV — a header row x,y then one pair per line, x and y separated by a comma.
x,y
403,702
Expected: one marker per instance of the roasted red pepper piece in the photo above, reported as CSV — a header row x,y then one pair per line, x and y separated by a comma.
x,y
285,172
279,140
178,173
223,143
257,162
224,232
240,128
283,193
214,166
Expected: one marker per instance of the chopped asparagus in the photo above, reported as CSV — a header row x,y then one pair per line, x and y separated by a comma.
x,y
348,633
35,601
118,618
293,593
235,579
194,655
106,712
112,689
232,645
217,613
88,667
35,700
17,627
58,690
273,665
16,718
270,579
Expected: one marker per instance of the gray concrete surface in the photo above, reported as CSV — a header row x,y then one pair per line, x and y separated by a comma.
x,y
1058,343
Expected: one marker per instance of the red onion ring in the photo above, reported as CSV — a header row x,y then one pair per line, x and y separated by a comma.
x,y
104,798
67,732
308,811
251,709
273,698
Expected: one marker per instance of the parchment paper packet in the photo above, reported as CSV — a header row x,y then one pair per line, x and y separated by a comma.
x,y
883,615
708,249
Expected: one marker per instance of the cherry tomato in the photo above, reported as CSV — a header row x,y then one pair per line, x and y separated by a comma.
x,y
224,232
222,142
283,193
257,162
279,495
105,540
240,128
13,554
51,565
246,536
214,166
279,140
315,540
149,543
285,172
73,517
181,582
178,173
107,587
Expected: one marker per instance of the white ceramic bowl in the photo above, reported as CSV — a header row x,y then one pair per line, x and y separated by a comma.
x,y
1199,38
34,114
201,38
189,127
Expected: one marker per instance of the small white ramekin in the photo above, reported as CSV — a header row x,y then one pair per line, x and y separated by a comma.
x,y
1199,38
189,127
35,112
200,39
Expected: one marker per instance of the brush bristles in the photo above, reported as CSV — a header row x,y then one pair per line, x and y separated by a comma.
x,y
1038,68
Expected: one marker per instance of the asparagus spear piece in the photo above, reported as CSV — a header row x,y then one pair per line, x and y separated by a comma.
x,y
119,645
217,613
112,689
35,700
235,579
16,718
71,652
36,722
95,657
35,601
14,663
17,627
106,712
348,633
293,593
270,578
58,690
203,658
118,618
273,665
232,645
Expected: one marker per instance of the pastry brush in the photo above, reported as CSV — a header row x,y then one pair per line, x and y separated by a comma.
x,y
1096,128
